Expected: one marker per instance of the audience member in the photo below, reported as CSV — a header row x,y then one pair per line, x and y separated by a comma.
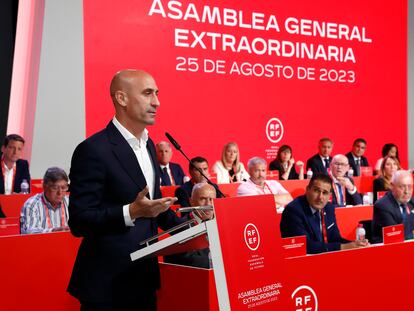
x,y
14,170
320,162
285,164
47,211
383,182
312,215
202,194
229,169
171,173
344,190
183,193
356,157
387,150
396,207
257,183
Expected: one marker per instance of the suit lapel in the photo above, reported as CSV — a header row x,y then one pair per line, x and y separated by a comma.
x,y
310,219
395,208
125,155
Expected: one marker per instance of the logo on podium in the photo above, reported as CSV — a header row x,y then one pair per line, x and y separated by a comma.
x,y
251,236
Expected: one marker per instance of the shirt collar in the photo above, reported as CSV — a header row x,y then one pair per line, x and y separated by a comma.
x,y
167,166
129,137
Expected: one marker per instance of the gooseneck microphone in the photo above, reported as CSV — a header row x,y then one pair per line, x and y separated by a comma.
x,y
178,147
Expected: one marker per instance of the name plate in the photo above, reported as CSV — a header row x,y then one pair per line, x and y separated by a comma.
x,y
294,246
393,234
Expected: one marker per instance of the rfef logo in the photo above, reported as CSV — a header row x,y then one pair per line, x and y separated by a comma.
x,y
274,130
251,236
304,298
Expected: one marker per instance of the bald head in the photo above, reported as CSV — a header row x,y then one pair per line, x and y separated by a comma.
x,y
339,165
402,186
135,97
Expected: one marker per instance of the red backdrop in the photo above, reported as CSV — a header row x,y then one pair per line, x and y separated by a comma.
x,y
365,95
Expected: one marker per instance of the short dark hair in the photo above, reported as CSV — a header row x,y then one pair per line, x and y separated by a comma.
x,y
359,140
54,174
196,160
387,147
11,137
321,177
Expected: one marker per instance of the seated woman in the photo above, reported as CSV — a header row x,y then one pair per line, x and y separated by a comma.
x,y
285,164
229,169
387,150
383,182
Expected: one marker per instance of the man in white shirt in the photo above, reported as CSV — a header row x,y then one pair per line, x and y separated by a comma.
x,y
257,183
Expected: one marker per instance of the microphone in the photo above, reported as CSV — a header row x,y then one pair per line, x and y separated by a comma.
x,y
178,147
172,140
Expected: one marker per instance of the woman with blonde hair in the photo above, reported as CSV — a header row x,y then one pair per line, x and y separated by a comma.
x,y
229,169
388,167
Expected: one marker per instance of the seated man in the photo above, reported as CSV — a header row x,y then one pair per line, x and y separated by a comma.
x,y
356,157
396,207
183,193
319,163
171,173
344,191
202,194
14,170
257,183
312,215
47,211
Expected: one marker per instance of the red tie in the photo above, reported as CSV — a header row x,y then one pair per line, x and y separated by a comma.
x,y
324,233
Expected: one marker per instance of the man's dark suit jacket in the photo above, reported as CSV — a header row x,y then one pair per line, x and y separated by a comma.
x,y
387,213
352,164
351,199
316,165
22,172
298,219
105,175
177,173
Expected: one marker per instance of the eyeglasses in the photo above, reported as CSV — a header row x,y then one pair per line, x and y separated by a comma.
x,y
57,188
339,164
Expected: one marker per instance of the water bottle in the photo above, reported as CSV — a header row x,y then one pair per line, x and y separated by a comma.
x,y
24,187
366,200
309,174
350,173
360,233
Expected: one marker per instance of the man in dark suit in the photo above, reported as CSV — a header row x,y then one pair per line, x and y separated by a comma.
x,y
319,163
202,194
312,215
115,202
344,190
356,157
183,193
14,170
396,207
171,173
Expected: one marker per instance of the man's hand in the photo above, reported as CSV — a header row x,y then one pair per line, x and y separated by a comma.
x,y
355,244
346,182
144,207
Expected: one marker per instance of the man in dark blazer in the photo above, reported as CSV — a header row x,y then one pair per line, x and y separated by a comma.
x,y
14,170
396,207
356,157
319,163
344,190
313,216
115,202
171,173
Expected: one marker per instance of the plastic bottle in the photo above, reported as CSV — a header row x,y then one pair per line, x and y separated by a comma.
x,y
24,187
350,173
366,200
360,233
309,174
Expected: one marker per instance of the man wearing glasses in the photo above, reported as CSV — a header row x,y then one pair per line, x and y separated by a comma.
x,y
344,192
47,211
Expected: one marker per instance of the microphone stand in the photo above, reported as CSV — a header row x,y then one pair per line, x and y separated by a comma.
x,y
178,147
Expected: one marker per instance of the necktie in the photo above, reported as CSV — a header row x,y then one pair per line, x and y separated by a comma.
x,y
358,165
317,221
326,160
324,232
165,177
340,195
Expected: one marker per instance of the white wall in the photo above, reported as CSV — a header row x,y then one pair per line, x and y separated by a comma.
x,y
60,114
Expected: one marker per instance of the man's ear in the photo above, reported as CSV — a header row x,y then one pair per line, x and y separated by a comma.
x,y
121,98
